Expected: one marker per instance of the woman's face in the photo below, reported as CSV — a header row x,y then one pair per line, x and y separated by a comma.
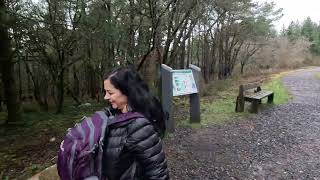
x,y
115,97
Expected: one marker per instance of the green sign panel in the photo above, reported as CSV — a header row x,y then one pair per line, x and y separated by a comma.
x,y
183,82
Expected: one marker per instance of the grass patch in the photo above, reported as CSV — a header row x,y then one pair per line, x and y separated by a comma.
x,y
217,104
221,108
220,111
281,93
317,75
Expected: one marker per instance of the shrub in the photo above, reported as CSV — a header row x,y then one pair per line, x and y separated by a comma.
x,y
30,107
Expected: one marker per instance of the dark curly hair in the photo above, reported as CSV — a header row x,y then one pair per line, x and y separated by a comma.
x,y
140,98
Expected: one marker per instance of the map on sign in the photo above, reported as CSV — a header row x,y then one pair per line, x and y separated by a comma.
x,y
183,82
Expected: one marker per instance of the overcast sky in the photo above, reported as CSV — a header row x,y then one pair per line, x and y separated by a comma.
x,y
296,10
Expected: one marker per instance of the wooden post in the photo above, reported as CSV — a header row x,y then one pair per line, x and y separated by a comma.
x,y
167,94
194,98
240,100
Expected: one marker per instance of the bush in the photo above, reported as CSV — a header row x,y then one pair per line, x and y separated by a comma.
x,y
215,86
30,107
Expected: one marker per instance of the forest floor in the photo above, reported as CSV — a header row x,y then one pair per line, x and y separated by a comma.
x,y
281,141
33,146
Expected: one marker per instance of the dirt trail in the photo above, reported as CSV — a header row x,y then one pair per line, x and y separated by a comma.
x,y
281,142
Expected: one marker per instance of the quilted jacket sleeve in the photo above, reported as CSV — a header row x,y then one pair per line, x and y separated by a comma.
x,y
146,145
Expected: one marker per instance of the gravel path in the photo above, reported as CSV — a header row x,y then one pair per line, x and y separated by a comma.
x,y
281,142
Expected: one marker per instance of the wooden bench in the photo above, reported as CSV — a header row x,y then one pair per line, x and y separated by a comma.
x,y
252,93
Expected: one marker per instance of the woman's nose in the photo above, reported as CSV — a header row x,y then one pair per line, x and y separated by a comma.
x,y
107,97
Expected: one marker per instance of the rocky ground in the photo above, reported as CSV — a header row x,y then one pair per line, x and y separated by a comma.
x,y
281,142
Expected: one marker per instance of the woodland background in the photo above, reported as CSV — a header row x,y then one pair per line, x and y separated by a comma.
x,y
53,54
51,49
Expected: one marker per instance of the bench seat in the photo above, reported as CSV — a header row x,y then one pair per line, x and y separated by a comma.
x,y
259,95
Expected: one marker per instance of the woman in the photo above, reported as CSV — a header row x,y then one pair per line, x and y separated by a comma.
x,y
133,149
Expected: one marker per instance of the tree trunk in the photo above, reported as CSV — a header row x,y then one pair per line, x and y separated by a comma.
x,y
92,84
76,83
10,92
37,90
60,83
60,88
197,52
242,67
214,60
7,71
0,103
19,75
131,43
183,55
1,96
189,52
205,59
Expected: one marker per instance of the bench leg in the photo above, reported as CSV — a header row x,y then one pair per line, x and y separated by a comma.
x,y
270,99
254,106
237,105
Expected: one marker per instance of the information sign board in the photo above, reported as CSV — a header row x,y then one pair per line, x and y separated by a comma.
x,y
183,82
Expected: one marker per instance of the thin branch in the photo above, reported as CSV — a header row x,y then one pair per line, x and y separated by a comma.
x,y
41,21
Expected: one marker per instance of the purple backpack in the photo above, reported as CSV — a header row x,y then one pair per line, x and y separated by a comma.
x,y
80,154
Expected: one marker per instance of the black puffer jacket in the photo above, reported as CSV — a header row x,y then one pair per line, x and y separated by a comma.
x,y
133,150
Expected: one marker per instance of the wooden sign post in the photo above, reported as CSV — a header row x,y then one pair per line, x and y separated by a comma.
x,y
178,83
